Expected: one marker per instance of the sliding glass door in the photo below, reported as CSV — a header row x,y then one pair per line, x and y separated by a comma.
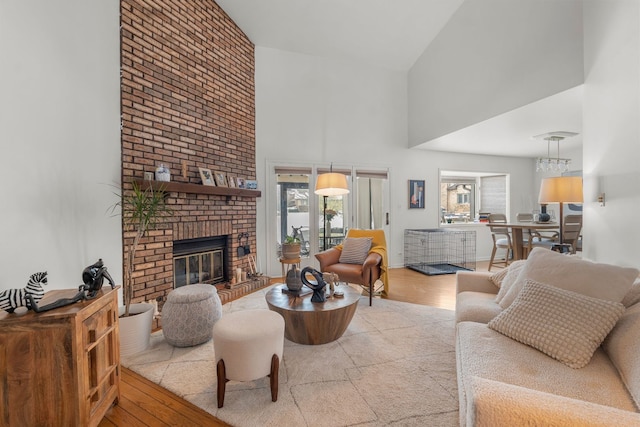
x,y
293,202
333,213
322,222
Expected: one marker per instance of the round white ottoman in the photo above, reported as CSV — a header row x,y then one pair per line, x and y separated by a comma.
x,y
248,345
189,314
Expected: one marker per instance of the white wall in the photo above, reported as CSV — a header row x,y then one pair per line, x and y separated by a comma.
x,y
314,110
612,130
60,142
494,56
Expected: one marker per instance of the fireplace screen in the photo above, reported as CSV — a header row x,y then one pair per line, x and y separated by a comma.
x,y
199,261
198,268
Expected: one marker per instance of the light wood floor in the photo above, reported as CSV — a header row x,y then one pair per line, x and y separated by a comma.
x,y
143,403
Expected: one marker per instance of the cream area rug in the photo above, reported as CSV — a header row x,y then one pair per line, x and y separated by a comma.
x,y
394,365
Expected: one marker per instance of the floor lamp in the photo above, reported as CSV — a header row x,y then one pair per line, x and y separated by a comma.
x,y
330,184
561,189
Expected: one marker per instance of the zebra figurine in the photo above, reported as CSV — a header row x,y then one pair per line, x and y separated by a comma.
x,y
11,299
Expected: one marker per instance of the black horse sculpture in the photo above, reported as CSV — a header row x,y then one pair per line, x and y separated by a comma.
x,y
93,278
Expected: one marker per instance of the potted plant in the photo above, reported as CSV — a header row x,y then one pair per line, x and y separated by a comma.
x,y
291,247
142,210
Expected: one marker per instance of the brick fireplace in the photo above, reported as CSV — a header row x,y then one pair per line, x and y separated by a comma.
x,y
188,101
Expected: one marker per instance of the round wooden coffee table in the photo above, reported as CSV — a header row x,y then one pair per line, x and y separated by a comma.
x,y
307,322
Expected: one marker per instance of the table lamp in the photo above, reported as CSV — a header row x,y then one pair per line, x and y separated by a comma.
x,y
330,184
561,189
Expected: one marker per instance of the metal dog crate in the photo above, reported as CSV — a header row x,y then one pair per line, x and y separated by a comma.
x,y
439,251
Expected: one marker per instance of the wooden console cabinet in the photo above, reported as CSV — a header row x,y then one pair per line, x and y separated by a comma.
x,y
60,367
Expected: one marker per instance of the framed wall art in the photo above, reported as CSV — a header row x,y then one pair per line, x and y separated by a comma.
x,y
206,176
240,182
416,194
221,179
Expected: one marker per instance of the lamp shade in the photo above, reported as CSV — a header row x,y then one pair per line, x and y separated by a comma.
x,y
332,184
561,189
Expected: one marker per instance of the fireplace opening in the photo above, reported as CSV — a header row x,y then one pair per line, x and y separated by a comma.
x,y
201,260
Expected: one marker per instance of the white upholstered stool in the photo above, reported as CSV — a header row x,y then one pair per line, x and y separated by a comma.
x,y
248,345
189,314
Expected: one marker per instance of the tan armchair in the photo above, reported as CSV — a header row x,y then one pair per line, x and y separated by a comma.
x,y
365,274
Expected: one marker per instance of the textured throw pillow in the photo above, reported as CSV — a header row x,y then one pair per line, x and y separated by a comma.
x,y
562,324
604,281
498,277
509,279
355,250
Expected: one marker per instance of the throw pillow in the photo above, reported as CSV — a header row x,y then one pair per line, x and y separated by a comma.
x,y
562,324
355,250
623,346
498,277
596,280
633,296
512,274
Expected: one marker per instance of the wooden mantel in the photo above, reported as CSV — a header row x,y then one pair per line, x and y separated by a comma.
x,y
180,187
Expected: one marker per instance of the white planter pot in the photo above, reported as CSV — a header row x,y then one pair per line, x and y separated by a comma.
x,y
135,330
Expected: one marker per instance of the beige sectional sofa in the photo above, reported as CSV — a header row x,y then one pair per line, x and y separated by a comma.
x,y
519,332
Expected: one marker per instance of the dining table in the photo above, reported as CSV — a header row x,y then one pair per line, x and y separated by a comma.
x,y
517,233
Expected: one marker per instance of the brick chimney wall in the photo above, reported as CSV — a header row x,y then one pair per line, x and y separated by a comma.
x,y
188,101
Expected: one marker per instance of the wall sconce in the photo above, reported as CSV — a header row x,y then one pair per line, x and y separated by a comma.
x,y
600,189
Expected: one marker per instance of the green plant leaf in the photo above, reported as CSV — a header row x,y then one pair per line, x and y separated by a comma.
x,y
142,210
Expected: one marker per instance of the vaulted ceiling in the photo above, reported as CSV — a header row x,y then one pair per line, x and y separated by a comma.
x,y
393,34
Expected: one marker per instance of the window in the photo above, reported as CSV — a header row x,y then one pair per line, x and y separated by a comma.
x,y
463,198
463,195
300,212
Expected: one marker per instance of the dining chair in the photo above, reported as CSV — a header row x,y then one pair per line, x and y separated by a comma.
x,y
501,239
571,229
524,217
527,234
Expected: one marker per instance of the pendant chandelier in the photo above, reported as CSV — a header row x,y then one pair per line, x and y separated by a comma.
x,y
553,164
